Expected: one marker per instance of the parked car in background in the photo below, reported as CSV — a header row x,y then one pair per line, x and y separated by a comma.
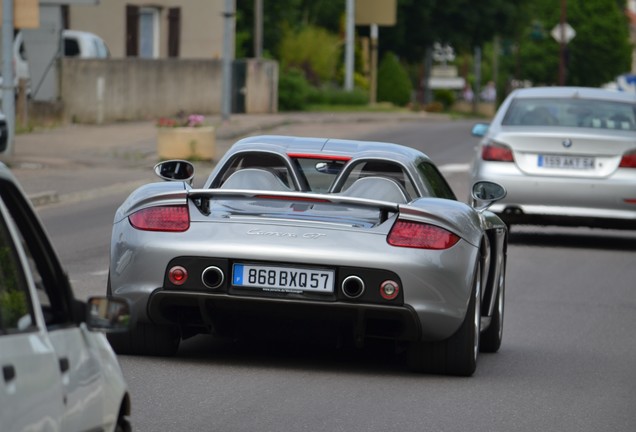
x,y
59,372
566,156
75,43
312,236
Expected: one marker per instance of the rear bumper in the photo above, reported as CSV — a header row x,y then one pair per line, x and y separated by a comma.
x,y
221,312
545,200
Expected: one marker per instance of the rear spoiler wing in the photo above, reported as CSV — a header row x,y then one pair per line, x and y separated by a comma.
x,y
229,194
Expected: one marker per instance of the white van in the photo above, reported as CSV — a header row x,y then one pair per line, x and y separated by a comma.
x,y
76,43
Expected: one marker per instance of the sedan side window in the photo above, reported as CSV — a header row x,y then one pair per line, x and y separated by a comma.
x,y
16,309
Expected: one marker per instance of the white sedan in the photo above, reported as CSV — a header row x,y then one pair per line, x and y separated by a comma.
x,y
59,373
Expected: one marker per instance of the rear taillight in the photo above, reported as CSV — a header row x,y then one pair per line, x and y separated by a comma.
x,y
496,153
166,218
421,236
628,161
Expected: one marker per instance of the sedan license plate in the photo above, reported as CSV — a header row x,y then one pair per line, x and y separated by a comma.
x,y
283,279
566,162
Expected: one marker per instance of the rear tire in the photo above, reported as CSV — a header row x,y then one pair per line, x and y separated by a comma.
x,y
492,336
456,355
147,339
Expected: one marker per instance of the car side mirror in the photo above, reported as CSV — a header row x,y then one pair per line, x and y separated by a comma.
x,y
479,130
485,193
108,314
175,170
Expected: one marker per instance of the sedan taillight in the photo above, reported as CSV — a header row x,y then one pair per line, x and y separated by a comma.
x,y
165,218
421,236
628,161
496,153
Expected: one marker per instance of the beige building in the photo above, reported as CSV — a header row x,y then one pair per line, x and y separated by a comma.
x,y
159,29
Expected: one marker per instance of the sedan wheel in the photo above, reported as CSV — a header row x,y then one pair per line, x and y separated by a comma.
x,y
456,355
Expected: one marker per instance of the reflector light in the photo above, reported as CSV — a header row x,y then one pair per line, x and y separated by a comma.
x,y
389,290
628,161
630,200
178,275
421,236
166,218
319,156
496,153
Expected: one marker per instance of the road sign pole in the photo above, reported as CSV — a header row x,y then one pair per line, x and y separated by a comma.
x,y
563,44
8,89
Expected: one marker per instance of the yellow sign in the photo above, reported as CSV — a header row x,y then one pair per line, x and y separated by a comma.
x,y
380,12
26,13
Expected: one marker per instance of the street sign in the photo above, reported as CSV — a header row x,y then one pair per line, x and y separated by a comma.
x,y
379,12
564,35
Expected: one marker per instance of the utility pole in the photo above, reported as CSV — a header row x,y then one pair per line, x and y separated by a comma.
x,y
228,56
258,29
349,47
373,98
8,89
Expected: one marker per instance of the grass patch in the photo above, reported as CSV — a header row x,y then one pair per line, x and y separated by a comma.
x,y
379,107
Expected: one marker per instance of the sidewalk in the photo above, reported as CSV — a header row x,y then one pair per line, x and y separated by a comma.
x,y
78,162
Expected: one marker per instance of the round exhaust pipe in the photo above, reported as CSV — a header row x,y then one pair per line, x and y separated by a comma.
x,y
212,277
352,287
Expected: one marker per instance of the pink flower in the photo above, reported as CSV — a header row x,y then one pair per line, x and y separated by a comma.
x,y
180,120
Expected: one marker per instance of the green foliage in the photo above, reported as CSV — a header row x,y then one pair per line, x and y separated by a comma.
x,y
14,306
313,50
394,84
337,96
446,97
293,90
598,53
13,301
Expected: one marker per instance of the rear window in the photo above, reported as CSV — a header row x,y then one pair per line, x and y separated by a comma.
x,y
568,112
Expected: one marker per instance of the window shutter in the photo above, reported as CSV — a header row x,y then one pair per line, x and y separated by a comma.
x,y
174,31
132,31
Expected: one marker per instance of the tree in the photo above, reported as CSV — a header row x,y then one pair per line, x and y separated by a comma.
x,y
313,50
598,53
394,84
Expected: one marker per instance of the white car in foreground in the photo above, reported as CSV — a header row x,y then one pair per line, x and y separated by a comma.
x,y
59,374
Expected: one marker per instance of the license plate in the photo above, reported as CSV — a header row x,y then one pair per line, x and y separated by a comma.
x,y
565,162
283,279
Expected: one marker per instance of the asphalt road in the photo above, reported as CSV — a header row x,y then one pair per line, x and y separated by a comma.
x,y
567,363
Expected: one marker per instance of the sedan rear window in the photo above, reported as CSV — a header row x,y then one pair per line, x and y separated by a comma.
x,y
570,112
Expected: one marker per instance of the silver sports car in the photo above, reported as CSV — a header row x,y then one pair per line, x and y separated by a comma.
x,y
566,156
356,239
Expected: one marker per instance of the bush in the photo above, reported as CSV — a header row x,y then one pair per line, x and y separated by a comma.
x,y
444,96
337,96
293,91
394,84
313,50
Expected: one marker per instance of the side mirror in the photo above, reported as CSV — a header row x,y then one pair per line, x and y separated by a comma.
x,y
108,314
485,193
479,130
175,170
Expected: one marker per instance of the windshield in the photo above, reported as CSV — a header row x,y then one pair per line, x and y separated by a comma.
x,y
569,112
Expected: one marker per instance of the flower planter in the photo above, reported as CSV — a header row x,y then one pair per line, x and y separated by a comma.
x,y
198,143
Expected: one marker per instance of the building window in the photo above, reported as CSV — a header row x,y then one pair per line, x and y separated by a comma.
x,y
149,32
